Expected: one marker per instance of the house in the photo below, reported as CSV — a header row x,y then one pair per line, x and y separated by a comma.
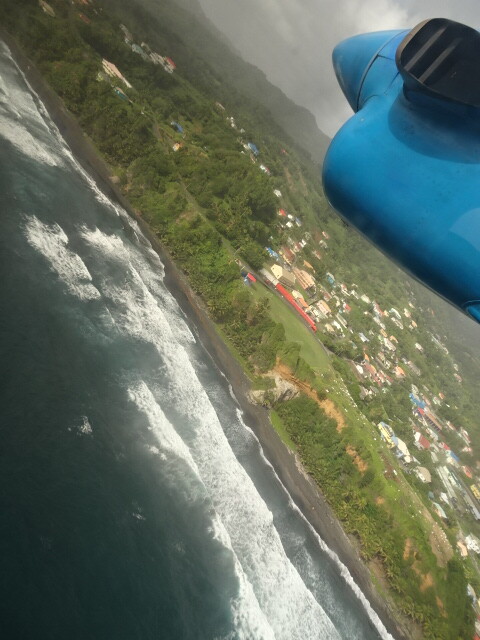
x,y
139,51
282,275
472,543
265,169
47,8
156,58
432,420
278,193
177,146
84,18
439,510
377,310
397,323
288,255
120,93
269,277
462,549
324,309
282,212
365,299
389,345
169,65
126,33
423,474
421,442
476,491
402,450
299,298
112,71
452,458
176,126
341,320
387,434
413,367
305,280
418,347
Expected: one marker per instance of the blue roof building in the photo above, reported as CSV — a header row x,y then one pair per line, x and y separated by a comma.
x,y
177,126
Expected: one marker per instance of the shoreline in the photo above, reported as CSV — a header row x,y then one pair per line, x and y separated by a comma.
x,y
301,488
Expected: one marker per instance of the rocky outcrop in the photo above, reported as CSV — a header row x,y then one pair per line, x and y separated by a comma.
x,y
282,391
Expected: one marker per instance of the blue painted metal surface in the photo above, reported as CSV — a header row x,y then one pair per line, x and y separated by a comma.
x,y
406,171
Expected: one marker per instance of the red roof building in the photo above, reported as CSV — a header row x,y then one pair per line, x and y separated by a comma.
x,y
421,441
468,472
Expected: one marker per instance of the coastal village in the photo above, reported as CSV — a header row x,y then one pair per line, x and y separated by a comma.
x,y
385,348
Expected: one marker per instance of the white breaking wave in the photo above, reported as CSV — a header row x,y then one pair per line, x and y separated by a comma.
x,y
145,287
21,122
52,242
248,616
85,427
383,633
290,608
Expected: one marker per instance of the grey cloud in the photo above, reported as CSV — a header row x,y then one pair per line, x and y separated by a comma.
x,y
292,40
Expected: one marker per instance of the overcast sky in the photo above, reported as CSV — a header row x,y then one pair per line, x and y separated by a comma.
x,y
292,40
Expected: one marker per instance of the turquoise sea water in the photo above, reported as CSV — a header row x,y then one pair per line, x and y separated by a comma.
x,y
135,502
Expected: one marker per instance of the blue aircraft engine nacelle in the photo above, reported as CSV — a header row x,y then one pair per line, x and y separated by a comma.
x,y
405,169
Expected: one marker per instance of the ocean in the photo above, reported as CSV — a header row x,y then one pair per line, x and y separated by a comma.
x,y
135,501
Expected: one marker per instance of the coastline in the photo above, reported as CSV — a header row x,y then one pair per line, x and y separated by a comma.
x,y
300,487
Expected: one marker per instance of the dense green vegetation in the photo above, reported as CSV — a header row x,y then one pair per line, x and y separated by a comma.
x,y
352,494
215,211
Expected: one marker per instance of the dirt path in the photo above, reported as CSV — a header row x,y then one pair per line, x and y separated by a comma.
x,y
327,405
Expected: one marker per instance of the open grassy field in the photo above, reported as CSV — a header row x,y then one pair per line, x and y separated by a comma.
x,y
311,350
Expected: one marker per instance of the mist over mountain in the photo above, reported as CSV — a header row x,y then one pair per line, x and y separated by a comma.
x,y
187,20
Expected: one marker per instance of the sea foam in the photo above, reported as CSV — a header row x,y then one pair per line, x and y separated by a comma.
x,y
52,242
